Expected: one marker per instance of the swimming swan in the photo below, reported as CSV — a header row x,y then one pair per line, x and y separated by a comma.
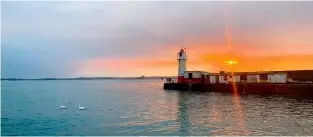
x,y
80,107
62,106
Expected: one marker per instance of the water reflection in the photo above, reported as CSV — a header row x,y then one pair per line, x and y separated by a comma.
x,y
227,114
182,114
237,105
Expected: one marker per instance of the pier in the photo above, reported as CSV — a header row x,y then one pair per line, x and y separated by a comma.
x,y
299,89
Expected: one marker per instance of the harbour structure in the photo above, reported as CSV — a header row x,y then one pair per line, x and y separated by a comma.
x,y
182,58
269,82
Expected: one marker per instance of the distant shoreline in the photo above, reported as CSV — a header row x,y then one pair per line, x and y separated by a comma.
x,y
87,78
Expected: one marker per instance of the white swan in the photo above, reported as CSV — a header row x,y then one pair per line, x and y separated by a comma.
x,y
80,107
62,106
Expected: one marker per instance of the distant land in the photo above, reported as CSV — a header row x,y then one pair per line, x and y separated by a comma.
x,y
91,78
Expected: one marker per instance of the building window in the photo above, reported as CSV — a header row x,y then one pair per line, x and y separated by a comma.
x,y
180,54
190,75
202,78
243,77
263,77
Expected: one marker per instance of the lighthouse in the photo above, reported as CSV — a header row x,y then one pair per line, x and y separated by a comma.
x,y
181,57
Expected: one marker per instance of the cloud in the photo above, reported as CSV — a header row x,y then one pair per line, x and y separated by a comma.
x,y
73,32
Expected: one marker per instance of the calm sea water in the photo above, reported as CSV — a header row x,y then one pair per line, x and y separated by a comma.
x,y
142,107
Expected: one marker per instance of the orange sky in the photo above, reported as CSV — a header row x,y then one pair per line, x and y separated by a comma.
x,y
211,62
74,39
291,51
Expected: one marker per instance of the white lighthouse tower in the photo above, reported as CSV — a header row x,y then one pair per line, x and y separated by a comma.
x,y
182,58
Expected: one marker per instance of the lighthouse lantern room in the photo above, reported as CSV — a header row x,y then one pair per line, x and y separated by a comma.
x,y
181,57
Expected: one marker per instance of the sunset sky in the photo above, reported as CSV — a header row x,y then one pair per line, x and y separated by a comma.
x,y
74,39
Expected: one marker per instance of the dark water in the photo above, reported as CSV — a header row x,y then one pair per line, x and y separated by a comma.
x,y
138,107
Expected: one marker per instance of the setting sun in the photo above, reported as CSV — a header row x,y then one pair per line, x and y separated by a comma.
x,y
231,62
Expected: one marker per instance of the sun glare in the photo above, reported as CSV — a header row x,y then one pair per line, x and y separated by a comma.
x,y
231,62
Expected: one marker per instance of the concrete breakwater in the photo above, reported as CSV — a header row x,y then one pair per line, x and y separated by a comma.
x,y
301,89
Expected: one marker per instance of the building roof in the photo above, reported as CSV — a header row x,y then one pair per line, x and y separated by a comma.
x,y
197,71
